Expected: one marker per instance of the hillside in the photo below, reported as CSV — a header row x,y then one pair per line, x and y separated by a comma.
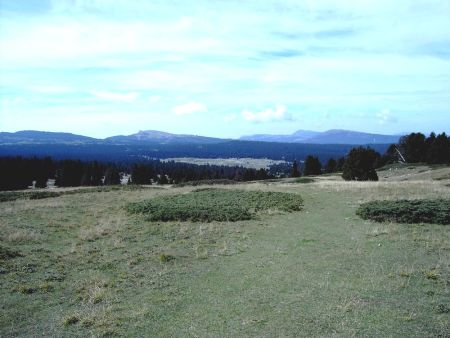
x,y
230,149
334,136
156,144
85,267
154,136
143,137
44,137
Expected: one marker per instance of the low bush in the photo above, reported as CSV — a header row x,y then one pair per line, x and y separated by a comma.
x,y
24,289
37,195
304,180
206,182
166,258
207,205
6,253
6,196
407,211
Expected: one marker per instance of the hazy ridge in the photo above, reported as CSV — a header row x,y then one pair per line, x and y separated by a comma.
x,y
334,136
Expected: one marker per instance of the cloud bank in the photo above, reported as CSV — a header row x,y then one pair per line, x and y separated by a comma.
x,y
184,58
268,115
189,108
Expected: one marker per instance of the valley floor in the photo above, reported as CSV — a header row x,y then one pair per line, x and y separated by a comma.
x,y
79,265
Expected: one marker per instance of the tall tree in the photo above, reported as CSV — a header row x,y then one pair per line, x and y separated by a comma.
x,y
331,166
69,174
360,165
162,179
112,176
312,166
295,172
413,147
141,174
439,151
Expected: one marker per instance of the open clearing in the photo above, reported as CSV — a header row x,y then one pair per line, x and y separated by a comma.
x,y
80,265
246,162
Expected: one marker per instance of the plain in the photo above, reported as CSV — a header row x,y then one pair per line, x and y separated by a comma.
x,y
80,265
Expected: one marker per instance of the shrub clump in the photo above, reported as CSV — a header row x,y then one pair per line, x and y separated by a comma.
x,y
166,258
7,196
407,211
304,180
6,253
207,205
207,182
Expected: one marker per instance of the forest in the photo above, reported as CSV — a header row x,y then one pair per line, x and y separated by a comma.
x,y
359,163
230,149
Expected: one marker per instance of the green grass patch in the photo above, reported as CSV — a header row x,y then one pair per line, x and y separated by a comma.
x,y
304,180
438,166
306,241
83,267
24,289
6,253
206,182
166,258
407,211
6,196
392,166
441,178
207,205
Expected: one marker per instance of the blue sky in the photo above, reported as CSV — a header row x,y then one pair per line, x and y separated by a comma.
x,y
224,68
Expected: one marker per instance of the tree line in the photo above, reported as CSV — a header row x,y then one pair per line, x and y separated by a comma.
x,y
20,173
360,163
231,149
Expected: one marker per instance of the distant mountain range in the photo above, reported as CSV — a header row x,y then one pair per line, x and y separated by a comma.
x,y
154,136
40,137
334,136
140,138
157,137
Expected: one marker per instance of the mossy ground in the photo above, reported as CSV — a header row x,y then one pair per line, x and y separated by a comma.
x,y
207,205
80,265
407,211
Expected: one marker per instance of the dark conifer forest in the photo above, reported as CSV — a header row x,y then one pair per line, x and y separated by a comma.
x,y
21,172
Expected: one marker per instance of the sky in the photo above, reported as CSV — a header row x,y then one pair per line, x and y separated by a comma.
x,y
224,68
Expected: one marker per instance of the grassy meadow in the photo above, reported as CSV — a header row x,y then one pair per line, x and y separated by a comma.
x,y
80,264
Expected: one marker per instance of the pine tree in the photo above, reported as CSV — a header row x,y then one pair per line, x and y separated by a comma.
x,y
295,172
312,166
413,147
141,174
331,166
162,179
440,150
360,165
112,176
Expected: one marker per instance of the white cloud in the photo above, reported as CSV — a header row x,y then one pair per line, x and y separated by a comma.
x,y
154,99
190,108
269,114
51,89
343,57
184,23
115,96
385,116
230,117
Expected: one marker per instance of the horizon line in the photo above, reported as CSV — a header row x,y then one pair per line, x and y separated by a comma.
x,y
231,138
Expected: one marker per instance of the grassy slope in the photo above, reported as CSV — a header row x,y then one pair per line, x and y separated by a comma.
x,y
322,271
